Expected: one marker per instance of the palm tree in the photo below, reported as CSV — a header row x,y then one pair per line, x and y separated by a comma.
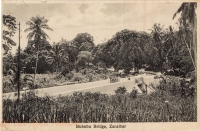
x,y
58,56
36,26
71,49
161,37
156,33
188,21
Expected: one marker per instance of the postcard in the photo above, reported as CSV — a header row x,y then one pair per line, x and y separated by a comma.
x,y
99,65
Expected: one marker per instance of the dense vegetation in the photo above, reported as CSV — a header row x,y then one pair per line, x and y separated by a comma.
x,y
160,50
127,49
171,102
45,64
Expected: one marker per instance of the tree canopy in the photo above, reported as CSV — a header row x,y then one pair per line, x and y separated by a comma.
x,y
162,49
9,29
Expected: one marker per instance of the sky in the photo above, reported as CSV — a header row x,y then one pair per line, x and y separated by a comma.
x,y
100,19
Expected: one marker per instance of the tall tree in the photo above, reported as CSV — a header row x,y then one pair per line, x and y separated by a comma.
x,y
123,51
188,21
9,28
130,55
160,36
37,35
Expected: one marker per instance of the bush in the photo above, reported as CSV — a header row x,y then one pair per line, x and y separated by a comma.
x,y
176,86
120,90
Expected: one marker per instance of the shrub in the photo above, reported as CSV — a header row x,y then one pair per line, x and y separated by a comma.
x,y
120,90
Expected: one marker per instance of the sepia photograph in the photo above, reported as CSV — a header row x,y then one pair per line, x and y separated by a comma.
x,y
103,62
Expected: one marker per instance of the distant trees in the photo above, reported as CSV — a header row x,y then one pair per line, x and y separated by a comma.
x,y
84,42
58,57
70,49
123,51
163,48
84,58
160,50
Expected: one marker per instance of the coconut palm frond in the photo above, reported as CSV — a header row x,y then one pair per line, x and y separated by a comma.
x,y
181,8
43,20
33,19
30,24
45,26
29,29
44,35
31,35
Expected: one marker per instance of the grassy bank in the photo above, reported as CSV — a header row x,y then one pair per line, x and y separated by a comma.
x,y
167,104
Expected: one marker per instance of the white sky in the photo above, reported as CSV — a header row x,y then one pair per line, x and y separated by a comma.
x,y
101,20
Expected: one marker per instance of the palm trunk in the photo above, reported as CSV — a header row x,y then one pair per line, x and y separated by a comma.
x,y
36,63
